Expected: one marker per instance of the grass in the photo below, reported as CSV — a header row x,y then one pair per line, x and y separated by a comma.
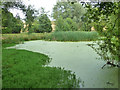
x,y
73,36
20,38
55,36
25,69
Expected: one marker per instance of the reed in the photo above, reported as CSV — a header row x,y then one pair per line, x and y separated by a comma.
x,y
73,36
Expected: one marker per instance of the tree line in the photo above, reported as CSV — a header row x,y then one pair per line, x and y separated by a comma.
x,y
68,17
34,21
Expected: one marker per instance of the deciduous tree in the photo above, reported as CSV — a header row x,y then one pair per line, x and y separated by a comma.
x,y
107,12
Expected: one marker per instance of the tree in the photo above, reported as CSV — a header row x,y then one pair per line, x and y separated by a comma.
x,y
68,10
107,14
15,4
28,11
35,25
18,24
66,25
42,23
10,24
30,15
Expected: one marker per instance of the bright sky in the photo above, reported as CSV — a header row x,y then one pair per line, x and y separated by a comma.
x,y
47,4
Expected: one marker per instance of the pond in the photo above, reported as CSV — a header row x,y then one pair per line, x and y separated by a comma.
x,y
77,57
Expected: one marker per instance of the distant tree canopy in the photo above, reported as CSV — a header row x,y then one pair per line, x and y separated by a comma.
x,y
15,4
30,16
11,24
45,24
66,25
67,10
42,23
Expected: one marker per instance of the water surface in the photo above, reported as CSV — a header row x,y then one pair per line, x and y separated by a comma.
x,y
78,57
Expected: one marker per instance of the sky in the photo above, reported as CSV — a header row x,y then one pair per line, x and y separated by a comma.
x,y
47,4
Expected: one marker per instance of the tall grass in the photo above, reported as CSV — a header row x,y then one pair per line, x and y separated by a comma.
x,y
18,38
55,36
73,36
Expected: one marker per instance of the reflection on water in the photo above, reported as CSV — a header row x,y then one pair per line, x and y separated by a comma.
x,y
78,57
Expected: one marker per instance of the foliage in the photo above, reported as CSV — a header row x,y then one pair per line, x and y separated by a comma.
x,y
68,10
15,4
10,24
66,25
30,15
86,24
106,15
42,23
35,25
73,36
8,17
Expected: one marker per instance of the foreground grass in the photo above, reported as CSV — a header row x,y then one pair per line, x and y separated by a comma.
x,y
72,36
25,69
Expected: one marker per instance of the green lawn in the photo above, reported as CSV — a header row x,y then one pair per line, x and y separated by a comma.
x,y
25,69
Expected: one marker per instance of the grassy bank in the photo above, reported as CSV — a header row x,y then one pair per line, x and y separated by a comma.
x,y
25,69
55,36
73,36
19,38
